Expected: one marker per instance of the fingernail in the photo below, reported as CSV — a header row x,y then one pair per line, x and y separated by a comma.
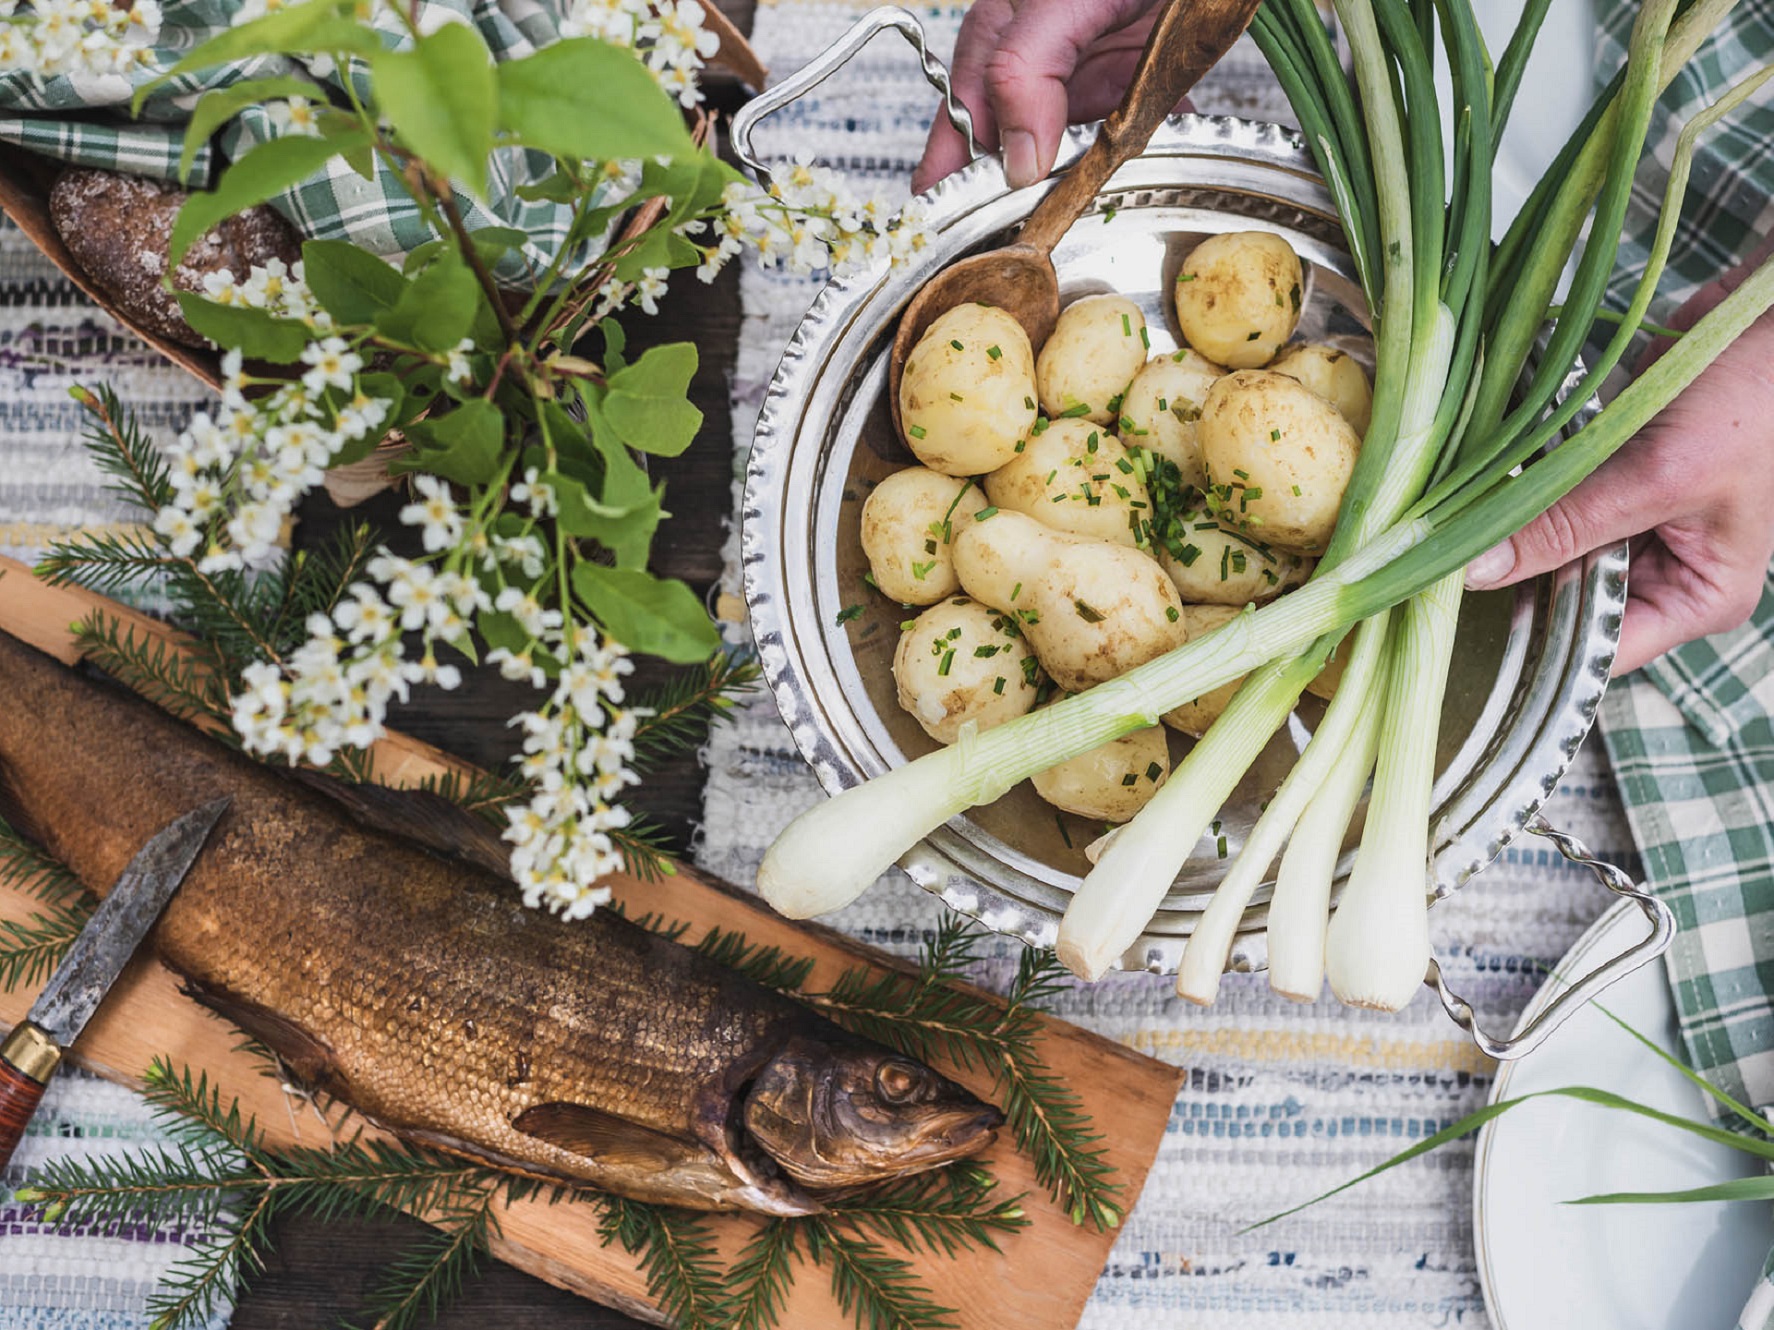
x,y
1020,167
1491,567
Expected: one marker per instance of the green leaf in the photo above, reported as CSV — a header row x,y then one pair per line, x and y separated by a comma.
x,y
646,403
299,29
268,169
586,98
220,105
463,446
352,285
648,614
624,487
442,96
256,334
437,308
1758,1188
615,343
659,248
557,188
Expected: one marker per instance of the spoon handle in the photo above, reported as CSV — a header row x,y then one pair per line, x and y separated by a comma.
x,y
1187,40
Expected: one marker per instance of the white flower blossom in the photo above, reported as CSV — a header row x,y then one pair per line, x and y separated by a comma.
x,y
435,513
457,369
296,115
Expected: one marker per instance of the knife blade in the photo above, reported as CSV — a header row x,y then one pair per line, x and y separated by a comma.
x,y
30,1055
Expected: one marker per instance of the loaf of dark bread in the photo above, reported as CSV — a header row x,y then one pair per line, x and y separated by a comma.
x,y
117,228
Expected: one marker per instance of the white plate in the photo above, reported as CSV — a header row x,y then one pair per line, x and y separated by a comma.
x,y
1550,1266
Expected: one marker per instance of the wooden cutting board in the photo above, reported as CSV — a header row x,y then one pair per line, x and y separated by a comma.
x,y
1043,1276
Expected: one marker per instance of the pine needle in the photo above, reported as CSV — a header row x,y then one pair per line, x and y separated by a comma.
x,y
684,709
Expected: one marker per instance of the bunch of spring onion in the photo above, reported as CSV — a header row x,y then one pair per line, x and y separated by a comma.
x,y
1455,460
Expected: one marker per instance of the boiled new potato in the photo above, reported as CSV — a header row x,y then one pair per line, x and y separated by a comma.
x,y
1162,405
1091,610
1334,375
1194,717
1212,566
1096,348
1238,297
958,662
1074,476
1111,782
907,526
1278,458
967,394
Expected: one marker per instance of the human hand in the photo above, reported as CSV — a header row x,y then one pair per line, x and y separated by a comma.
x,y
1028,68
1693,494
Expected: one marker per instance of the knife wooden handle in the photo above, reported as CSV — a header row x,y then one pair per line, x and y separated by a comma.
x,y
28,1059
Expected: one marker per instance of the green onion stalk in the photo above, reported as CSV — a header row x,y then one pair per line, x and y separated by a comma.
x,y
1455,461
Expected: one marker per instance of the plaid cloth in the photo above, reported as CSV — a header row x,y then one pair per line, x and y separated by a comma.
x,y
1729,206
336,203
1691,736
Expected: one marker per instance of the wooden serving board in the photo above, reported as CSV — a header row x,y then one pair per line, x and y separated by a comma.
x,y
1041,1280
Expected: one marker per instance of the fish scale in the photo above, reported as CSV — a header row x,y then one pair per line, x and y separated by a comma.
x,y
422,992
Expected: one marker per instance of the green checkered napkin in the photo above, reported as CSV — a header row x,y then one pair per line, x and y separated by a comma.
x,y
86,121
1691,736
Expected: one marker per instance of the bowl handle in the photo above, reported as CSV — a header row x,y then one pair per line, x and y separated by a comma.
x,y
829,62
1565,1005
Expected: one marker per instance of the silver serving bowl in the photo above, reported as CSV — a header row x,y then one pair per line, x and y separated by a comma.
x,y
1530,663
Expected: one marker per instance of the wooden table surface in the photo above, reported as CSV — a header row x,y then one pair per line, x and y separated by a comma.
x,y
320,1273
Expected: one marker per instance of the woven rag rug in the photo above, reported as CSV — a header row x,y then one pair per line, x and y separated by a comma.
x,y
1281,1101
52,338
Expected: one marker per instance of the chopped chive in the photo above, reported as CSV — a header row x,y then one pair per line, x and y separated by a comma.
x,y
981,653
930,547
1225,560
1170,611
1145,338
1274,436
1296,491
1050,475
956,397
848,613
1253,337
995,352
1178,354
1021,444
1065,835
1251,492
1124,466
906,625
1278,300
1091,443
1030,665
1220,846
947,660
998,685
1186,277
1016,590
1086,613
1153,771
985,513
916,431
1075,410
1163,404
1130,778
1126,326
869,578
1188,555
1028,402
1294,295
956,343
922,570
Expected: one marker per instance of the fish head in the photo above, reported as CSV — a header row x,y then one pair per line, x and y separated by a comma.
x,y
845,1115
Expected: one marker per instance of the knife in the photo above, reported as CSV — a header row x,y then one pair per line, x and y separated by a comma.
x,y
32,1052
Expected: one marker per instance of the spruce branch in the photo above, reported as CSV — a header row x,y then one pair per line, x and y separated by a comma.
x,y
26,867
943,1212
104,561
881,1292
769,966
120,450
204,1282
759,1282
685,708
430,1274
678,1258
31,948
183,684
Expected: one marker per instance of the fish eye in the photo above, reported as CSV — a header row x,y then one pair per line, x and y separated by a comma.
x,y
897,1081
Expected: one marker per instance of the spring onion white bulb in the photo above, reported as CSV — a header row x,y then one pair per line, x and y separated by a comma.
x,y
1118,897
1205,953
1300,908
1377,948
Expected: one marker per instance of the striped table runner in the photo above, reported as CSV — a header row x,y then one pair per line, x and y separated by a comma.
x,y
50,339
1281,1101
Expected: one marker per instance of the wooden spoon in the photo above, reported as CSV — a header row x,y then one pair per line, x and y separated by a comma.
x,y
1188,39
